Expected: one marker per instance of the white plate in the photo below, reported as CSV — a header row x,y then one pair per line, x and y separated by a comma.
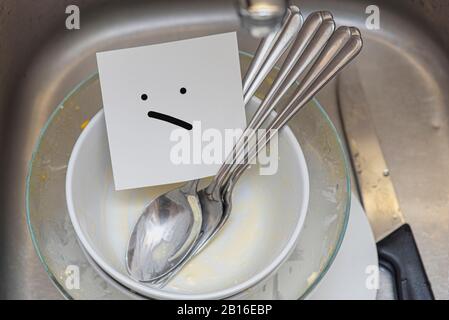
x,y
347,277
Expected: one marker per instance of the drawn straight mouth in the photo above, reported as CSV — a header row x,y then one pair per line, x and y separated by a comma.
x,y
170,119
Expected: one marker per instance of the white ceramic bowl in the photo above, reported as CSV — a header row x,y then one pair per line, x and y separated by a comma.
x,y
268,214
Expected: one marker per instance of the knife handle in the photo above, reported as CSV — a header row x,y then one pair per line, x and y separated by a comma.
x,y
399,254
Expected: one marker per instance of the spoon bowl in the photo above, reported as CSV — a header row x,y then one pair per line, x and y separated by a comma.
x,y
164,233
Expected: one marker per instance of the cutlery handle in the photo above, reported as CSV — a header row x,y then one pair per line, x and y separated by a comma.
x,y
262,53
283,39
308,43
399,254
262,64
344,45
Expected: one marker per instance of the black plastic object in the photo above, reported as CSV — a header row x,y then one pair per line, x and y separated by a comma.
x,y
399,254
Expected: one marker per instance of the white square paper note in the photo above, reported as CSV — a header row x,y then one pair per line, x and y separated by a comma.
x,y
155,94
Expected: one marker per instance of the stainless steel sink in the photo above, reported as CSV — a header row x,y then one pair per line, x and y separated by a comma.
x,y
405,68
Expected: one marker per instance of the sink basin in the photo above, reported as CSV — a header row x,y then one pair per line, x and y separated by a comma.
x,y
405,75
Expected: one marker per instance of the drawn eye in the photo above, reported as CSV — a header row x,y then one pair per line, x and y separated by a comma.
x,y
183,90
144,97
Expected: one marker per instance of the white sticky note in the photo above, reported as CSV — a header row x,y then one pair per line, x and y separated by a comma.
x,y
196,82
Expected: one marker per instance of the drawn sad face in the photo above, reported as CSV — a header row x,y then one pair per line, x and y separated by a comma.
x,y
168,118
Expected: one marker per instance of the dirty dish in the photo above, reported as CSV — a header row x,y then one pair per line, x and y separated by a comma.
x,y
58,248
260,235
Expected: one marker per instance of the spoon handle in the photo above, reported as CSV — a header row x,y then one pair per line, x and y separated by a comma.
x,y
344,45
269,52
262,53
282,40
310,41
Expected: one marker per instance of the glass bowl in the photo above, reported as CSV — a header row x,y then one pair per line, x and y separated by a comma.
x,y
76,275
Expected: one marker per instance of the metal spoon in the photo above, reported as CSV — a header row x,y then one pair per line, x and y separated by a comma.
x,y
170,226
164,233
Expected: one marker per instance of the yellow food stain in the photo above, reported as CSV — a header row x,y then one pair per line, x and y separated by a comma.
x,y
84,124
311,279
